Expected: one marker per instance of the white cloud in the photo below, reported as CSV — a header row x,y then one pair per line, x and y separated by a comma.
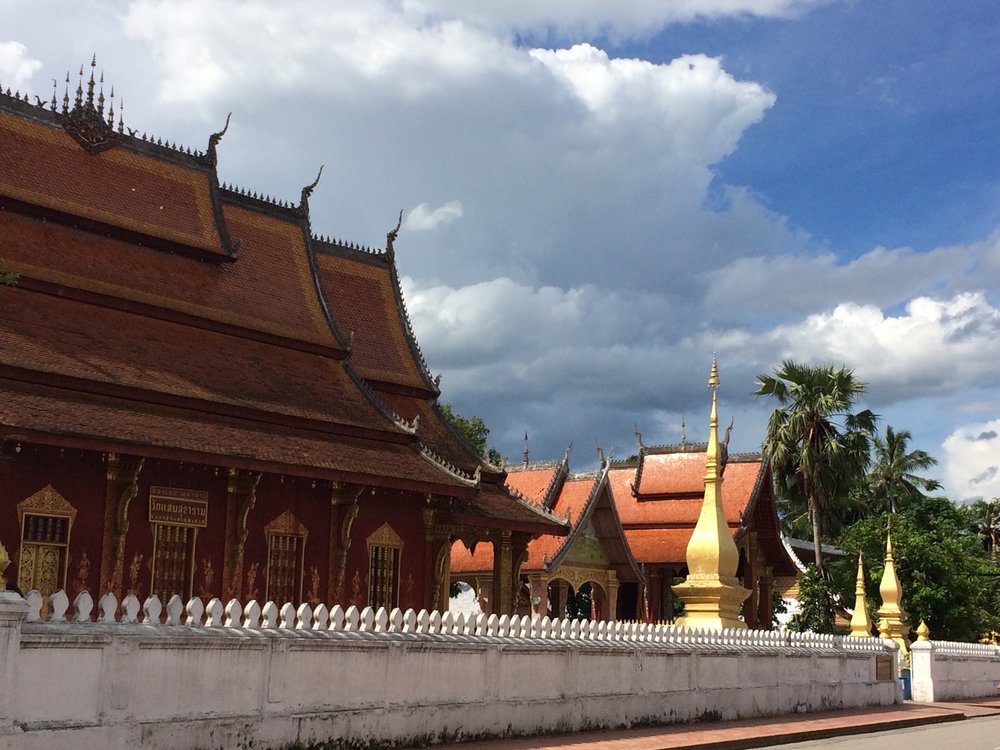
x,y
16,68
587,17
972,460
423,218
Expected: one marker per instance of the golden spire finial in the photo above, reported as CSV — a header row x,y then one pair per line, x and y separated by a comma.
x,y
713,376
861,624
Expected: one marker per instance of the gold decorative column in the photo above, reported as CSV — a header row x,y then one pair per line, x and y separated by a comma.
x,y
891,613
861,624
711,594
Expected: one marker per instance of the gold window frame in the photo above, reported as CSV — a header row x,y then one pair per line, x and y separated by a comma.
x,y
385,537
46,503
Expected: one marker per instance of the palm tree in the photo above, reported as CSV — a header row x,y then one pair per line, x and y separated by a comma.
x,y
892,479
818,448
987,519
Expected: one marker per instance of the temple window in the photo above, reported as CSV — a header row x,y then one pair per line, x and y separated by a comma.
x,y
286,547
46,519
173,560
385,550
176,514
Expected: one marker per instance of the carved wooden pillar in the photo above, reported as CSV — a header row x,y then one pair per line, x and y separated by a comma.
x,y
343,511
559,592
122,487
765,608
751,607
612,596
241,496
503,570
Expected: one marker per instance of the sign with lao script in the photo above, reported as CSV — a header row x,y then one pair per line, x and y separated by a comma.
x,y
176,506
883,669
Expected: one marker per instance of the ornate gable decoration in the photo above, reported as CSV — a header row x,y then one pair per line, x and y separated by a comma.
x,y
287,525
385,536
46,502
86,122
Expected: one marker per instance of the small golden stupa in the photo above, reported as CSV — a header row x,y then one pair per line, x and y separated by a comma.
x,y
861,624
711,593
891,613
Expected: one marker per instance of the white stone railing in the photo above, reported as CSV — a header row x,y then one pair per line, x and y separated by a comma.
x,y
253,616
945,670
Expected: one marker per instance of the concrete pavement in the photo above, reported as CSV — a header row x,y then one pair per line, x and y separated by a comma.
x,y
752,733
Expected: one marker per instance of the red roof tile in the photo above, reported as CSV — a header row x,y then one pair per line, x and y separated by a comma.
x,y
121,187
53,335
361,295
532,484
143,429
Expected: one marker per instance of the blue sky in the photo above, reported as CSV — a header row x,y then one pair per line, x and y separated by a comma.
x,y
599,196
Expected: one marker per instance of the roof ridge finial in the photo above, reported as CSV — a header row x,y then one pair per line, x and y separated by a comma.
x,y
684,440
65,107
213,141
600,451
390,237
79,90
111,107
526,448
55,87
308,190
91,82
100,98
638,438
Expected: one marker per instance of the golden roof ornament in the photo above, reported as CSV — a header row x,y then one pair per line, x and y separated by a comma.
x,y
861,624
711,593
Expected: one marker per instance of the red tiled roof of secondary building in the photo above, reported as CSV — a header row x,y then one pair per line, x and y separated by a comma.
x,y
165,199
532,484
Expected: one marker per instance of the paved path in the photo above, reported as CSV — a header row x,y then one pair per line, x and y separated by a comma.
x,y
752,733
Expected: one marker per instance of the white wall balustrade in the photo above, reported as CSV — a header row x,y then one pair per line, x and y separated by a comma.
x,y
190,675
942,670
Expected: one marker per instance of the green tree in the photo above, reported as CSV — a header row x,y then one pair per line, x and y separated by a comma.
x,y
892,479
817,606
818,449
474,431
985,519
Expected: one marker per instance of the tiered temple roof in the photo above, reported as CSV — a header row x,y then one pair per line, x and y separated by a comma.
x,y
158,313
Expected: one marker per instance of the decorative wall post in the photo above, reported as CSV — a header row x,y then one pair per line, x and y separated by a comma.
x,y
12,613
712,595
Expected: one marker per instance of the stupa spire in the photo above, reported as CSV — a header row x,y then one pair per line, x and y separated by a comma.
x,y
891,613
712,595
861,624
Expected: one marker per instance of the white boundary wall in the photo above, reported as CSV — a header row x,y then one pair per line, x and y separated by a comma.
x,y
211,676
943,670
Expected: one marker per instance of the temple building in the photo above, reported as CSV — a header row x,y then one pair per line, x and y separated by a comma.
x,y
594,557
659,496
200,397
